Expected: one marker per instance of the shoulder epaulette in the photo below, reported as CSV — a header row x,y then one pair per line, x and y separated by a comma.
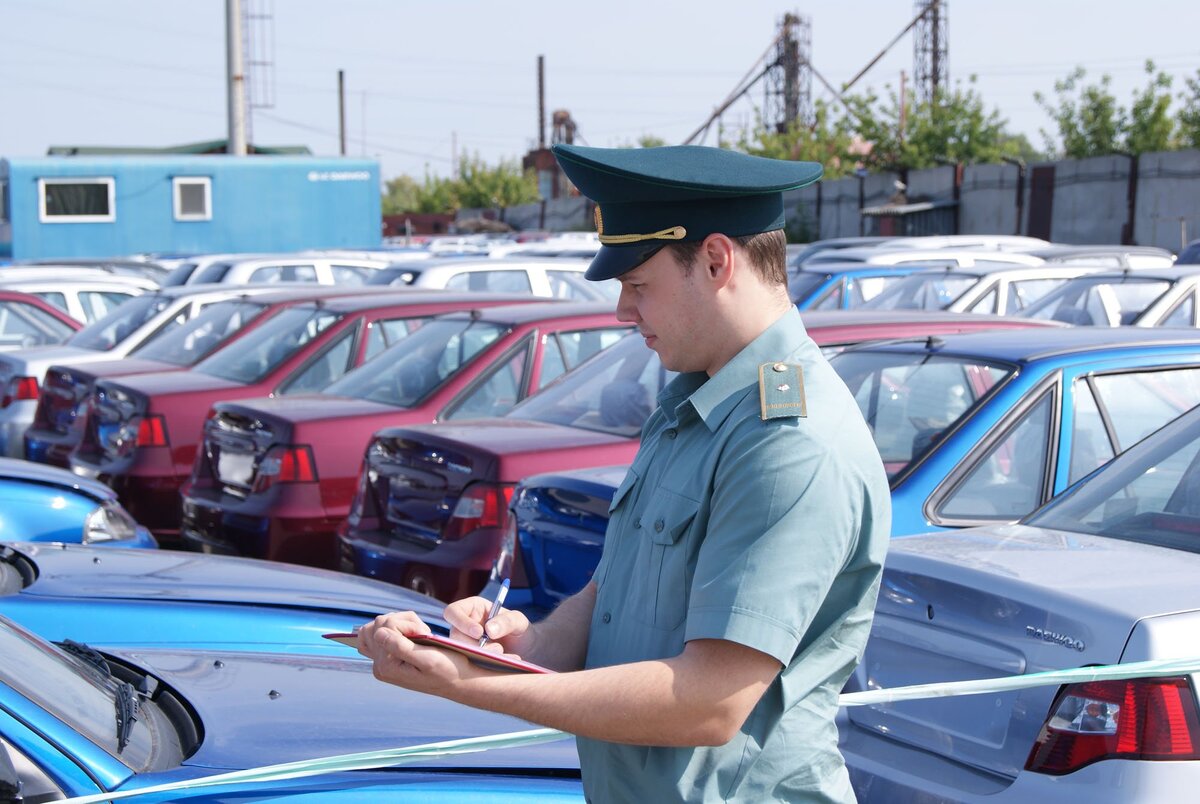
x,y
781,390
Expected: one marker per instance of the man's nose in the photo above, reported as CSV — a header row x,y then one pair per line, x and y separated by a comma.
x,y
626,309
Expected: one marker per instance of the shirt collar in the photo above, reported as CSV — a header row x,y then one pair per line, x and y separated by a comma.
x,y
714,398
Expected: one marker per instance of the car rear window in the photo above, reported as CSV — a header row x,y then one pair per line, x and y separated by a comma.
x,y
105,333
188,343
614,392
420,364
911,399
1150,495
253,357
932,291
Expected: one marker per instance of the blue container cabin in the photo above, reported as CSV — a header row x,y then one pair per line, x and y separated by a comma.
x,y
106,206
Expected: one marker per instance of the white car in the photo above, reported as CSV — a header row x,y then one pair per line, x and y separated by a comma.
x,y
551,278
991,242
114,336
885,254
985,287
85,297
243,269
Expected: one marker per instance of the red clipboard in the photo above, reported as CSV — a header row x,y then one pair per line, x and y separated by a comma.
x,y
492,661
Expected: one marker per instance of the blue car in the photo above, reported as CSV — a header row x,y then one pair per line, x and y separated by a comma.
x,y
167,597
974,428
44,504
842,286
66,729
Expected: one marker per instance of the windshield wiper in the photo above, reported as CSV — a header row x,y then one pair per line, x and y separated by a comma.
x,y
88,654
127,712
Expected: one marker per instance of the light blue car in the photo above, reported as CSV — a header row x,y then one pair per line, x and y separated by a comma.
x,y
44,504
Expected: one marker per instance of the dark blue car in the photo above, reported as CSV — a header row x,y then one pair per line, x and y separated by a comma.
x,y
74,722
45,504
973,429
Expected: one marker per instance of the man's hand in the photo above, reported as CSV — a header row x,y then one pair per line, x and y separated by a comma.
x,y
386,641
507,632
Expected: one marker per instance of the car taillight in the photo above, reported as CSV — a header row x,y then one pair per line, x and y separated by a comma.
x,y
286,465
19,388
483,505
1148,719
152,431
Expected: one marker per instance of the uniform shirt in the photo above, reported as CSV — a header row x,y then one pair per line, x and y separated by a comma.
x,y
769,532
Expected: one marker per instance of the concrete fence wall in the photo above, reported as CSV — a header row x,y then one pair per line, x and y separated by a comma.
x,y
1089,204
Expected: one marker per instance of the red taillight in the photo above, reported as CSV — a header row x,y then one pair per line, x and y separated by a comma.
x,y
1148,719
152,431
286,465
19,388
483,505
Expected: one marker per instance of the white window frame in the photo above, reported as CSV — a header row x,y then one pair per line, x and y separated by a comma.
x,y
109,181
204,181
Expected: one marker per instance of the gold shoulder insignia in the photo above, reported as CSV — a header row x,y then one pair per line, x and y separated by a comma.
x,y
781,390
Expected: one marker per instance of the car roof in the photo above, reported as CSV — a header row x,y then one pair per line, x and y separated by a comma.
x,y
409,297
28,472
1025,345
1172,274
865,317
1070,250
541,310
985,267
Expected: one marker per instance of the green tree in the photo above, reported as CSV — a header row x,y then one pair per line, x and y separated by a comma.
x,y
826,140
405,194
1149,126
480,185
1189,115
1087,117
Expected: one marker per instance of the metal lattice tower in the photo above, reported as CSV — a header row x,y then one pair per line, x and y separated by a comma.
x,y
788,81
931,61
258,45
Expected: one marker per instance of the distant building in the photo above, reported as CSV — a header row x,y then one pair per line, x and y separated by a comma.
x,y
102,202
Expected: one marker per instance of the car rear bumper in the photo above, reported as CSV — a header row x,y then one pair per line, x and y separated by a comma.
x,y
14,421
298,531
456,568
883,770
49,447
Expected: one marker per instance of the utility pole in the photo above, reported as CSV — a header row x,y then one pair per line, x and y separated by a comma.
x,y
236,144
541,70
789,77
342,112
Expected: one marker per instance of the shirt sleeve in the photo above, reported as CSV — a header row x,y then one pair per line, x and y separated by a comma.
x,y
784,520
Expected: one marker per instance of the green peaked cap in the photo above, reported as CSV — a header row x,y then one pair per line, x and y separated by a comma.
x,y
649,197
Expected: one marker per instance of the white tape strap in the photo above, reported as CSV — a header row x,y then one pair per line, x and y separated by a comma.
x,y
400,756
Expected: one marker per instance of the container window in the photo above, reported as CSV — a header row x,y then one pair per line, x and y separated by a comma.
x,y
77,200
193,198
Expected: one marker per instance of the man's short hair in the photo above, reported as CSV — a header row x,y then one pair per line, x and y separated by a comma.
x,y
767,252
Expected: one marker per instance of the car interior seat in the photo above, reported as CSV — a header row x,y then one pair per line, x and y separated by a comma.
x,y
624,403
1076,316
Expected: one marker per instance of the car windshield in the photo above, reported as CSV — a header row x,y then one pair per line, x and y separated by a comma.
x,y
1094,301
190,342
213,272
910,399
72,691
935,290
614,392
105,333
250,359
420,364
24,325
1150,494
801,284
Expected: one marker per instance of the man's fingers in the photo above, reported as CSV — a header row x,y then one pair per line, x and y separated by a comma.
x,y
466,616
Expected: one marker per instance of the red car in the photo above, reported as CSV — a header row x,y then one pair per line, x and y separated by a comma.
x,y
26,320
433,500
276,476
141,432
58,424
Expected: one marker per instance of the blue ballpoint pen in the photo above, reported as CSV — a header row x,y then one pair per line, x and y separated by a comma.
x,y
495,610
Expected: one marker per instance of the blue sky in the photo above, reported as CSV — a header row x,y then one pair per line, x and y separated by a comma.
x,y
427,79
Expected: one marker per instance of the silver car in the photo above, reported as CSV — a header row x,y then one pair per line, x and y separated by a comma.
x,y
1104,574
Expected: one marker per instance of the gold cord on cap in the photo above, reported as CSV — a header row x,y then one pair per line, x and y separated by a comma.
x,y
673,233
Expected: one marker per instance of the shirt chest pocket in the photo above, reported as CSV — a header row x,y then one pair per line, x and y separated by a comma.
x,y
666,560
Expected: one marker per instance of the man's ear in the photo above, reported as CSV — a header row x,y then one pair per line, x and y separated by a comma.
x,y
717,254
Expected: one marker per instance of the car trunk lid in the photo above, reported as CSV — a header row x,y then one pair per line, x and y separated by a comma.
x,y
999,602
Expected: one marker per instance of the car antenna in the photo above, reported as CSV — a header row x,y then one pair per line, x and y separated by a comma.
x,y
933,342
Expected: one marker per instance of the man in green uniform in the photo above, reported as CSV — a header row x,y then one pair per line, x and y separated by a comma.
x,y
745,545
